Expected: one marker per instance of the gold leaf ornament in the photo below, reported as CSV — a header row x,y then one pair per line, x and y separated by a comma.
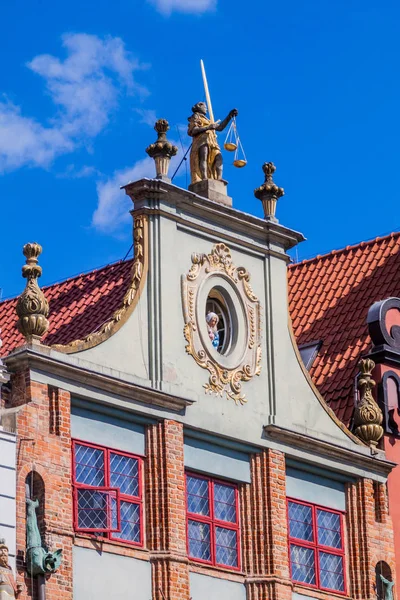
x,y
223,380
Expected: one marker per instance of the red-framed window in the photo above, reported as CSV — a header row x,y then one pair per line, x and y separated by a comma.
x,y
213,534
316,546
107,490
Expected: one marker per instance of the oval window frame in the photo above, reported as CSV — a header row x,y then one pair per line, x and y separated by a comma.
x,y
239,323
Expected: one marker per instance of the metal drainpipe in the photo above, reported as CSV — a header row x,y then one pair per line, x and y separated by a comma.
x,y
41,587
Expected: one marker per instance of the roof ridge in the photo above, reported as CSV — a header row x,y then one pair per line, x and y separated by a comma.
x,y
72,277
361,244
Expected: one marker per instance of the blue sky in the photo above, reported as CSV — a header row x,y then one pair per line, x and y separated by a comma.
x,y
81,83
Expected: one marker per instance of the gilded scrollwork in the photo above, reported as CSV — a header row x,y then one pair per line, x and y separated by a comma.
x,y
225,377
139,271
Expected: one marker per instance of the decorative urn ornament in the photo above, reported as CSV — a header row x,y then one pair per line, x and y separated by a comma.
x,y
32,307
162,150
269,193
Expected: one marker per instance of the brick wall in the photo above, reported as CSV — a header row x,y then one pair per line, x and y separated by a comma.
x,y
44,446
166,511
370,537
264,528
46,450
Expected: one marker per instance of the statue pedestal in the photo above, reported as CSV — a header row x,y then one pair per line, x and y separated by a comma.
x,y
213,189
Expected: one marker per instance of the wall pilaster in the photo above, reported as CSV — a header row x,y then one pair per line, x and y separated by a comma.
x,y
264,528
370,537
166,511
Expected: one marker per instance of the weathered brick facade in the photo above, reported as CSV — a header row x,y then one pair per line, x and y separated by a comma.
x,y
45,451
44,447
370,537
166,506
264,526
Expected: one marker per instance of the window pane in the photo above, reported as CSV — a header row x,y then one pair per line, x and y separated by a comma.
x,y
89,465
199,540
329,533
300,521
124,474
94,509
303,564
130,522
197,495
224,503
226,547
331,571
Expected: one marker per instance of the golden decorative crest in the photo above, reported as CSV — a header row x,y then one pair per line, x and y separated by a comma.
x,y
243,362
139,271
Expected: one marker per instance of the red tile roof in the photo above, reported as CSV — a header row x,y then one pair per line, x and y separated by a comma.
x,y
78,306
329,298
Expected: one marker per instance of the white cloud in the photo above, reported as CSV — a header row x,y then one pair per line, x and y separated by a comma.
x,y
166,7
84,87
73,172
148,116
113,205
24,141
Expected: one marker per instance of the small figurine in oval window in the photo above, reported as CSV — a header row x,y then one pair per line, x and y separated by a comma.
x,y
212,322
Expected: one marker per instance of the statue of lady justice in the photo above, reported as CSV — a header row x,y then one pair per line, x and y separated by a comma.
x,y
205,155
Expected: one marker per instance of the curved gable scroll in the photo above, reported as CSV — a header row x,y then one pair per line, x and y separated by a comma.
x,y
131,297
211,276
384,323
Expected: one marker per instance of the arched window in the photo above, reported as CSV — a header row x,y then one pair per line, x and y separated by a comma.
x,y
389,393
384,579
217,304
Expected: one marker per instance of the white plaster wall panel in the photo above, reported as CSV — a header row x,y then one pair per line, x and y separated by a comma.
x,y
127,350
210,412
101,576
215,460
310,487
8,491
98,428
7,478
296,406
212,588
7,455
7,508
296,596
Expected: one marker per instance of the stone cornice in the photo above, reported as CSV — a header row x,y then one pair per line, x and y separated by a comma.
x,y
42,358
374,461
384,354
168,556
148,193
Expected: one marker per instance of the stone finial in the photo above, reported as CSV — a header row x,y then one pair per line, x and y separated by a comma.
x,y
269,192
368,416
162,150
32,307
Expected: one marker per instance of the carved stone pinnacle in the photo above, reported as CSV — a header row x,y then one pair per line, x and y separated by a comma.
x,y
32,307
269,192
162,150
368,416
